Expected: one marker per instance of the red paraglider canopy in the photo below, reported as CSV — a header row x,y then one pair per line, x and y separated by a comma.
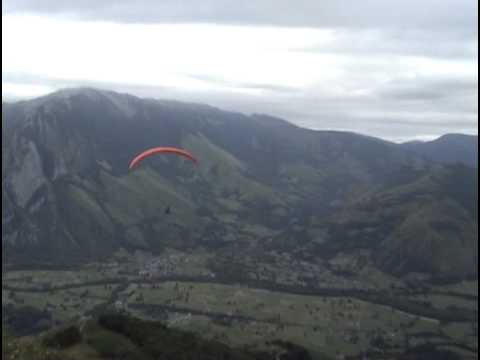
x,y
159,150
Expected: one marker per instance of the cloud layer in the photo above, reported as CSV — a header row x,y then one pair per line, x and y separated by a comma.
x,y
406,14
398,70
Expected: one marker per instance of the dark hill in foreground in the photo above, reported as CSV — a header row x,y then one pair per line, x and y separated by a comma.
x,y
120,337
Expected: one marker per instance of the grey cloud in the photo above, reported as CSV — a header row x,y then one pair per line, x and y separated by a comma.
x,y
242,85
439,43
428,28
406,14
419,89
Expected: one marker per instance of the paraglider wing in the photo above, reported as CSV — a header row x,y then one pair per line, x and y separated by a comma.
x,y
159,150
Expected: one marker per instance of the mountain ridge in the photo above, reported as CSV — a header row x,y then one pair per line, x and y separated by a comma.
x,y
71,91
65,160
448,149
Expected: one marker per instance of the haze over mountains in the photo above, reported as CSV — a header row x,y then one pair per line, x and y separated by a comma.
x,y
262,183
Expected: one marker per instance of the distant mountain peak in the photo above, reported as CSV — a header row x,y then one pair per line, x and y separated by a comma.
x,y
448,149
457,135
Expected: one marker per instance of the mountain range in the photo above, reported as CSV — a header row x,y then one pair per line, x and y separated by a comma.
x,y
262,183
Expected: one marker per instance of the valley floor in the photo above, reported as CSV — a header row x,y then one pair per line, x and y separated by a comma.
x,y
327,314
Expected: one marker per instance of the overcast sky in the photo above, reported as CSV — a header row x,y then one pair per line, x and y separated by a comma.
x,y
397,69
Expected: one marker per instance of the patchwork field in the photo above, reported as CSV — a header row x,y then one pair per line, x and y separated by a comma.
x,y
242,315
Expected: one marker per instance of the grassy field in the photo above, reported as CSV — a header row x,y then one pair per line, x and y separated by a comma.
x,y
320,324
324,325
